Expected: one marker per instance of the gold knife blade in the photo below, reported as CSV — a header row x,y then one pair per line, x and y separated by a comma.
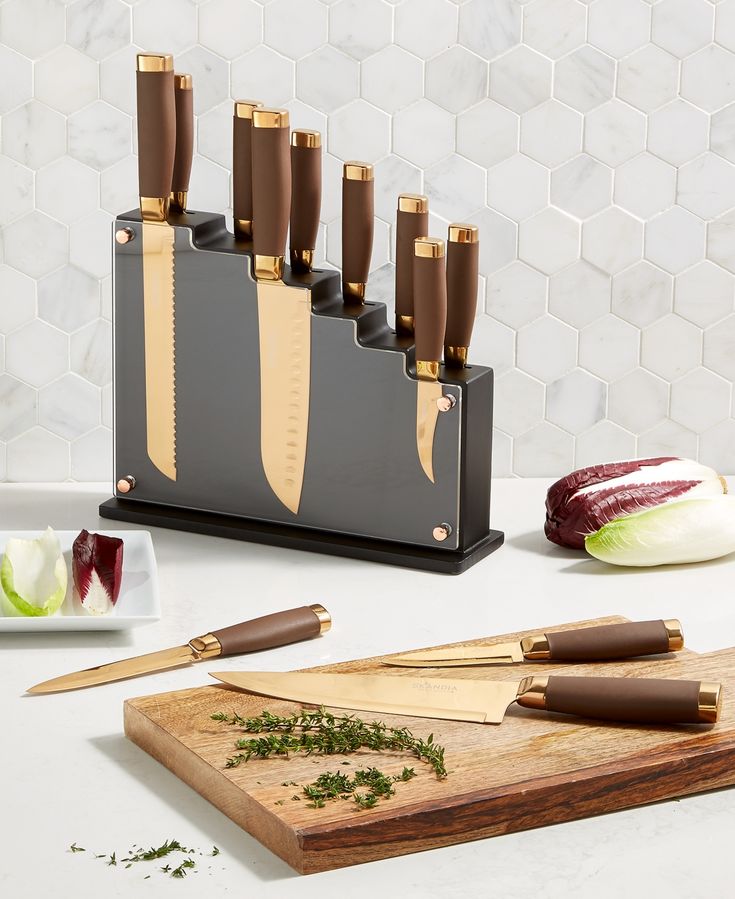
x,y
495,654
427,413
483,702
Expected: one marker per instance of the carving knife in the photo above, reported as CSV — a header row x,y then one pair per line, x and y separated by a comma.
x,y
284,315
156,150
184,99
412,221
642,700
249,636
358,203
599,643
242,167
306,197
430,308
463,260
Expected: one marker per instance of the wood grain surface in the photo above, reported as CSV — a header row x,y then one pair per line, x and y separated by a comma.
x,y
532,770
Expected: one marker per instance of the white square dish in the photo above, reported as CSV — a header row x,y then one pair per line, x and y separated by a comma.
x,y
138,602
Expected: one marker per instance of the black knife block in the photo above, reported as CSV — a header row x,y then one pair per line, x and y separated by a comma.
x,y
365,494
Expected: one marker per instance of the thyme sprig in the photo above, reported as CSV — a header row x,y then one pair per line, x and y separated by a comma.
x,y
365,787
326,734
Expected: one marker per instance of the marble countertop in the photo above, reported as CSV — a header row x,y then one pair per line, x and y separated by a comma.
x,y
68,774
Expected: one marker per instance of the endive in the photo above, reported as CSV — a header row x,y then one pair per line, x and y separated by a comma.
x,y
33,575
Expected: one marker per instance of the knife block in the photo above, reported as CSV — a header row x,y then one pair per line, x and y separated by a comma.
x,y
364,494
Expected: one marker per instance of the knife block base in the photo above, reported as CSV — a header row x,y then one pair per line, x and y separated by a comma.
x,y
290,537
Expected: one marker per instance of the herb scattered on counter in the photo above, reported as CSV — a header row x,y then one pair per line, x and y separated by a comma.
x,y
136,854
181,870
75,848
375,785
215,851
112,861
322,733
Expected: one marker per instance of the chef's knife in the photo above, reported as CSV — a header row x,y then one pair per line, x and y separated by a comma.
x,y
156,150
249,636
358,203
641,700
184,98
284,315
599,643
242,167
412,221
306,197
430,317
463,259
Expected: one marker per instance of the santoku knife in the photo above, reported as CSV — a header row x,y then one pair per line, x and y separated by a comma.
x,y
249,636
358,204
184,98
643,700
463,259
412,221
242,167
306,197
599,643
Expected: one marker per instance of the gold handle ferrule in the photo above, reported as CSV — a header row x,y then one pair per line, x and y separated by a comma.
x,y
243,228
244,108
675,634
404,325
325,619
532,692
427,370
354,291
456,356
416,203
154,209
155,62
709,702
206,647
177,201
302,260
268,268
535,646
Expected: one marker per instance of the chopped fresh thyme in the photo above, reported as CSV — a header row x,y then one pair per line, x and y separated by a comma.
x,y
113,860
365,788
75,848
155,852
181,870
215,850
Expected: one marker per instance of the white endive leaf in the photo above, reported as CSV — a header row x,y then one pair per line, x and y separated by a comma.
x,y
691,530
34,575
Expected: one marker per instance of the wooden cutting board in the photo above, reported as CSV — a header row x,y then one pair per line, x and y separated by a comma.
x,y
532,770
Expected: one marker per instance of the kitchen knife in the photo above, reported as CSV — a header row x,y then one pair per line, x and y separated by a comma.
x,y
156,150
306,197
284,315
412,221
249,636
639,700
463,260
358,203
184,99
430,317
242,167
585,644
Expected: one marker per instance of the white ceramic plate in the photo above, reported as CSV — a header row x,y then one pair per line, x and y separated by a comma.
x,y
138,602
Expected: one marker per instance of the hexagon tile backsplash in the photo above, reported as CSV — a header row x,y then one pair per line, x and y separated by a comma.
x,y
592,142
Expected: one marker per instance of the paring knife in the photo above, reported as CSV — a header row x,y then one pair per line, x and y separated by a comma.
x,y
184,98
599,643
463,259
642,700
284,315
156,150
430,317
358,204
249,636
306,197
412,221
242,165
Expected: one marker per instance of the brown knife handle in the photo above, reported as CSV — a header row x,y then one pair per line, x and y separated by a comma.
x,y
358,207
463,262
242,166
640,700
306,195
156,124
271,182
430,299
184,101
412,221
277,629
607,641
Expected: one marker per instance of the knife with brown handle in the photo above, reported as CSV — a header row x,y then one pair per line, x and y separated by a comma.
x,y
358,204
184,99
306,197
156,151
284,315
412,221
430,318
463,259
277,629
242,167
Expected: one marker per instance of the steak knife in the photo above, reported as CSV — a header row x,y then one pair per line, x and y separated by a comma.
x,y
463,260
358,204
412,221
599,643
284,315
306,197
156,150
277,629
184,99
430,317
242,165
638,700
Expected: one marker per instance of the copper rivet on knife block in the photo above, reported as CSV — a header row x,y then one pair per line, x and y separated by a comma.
x,y
124,235
126,484
412,221
242,162
442,531
358,203
446,402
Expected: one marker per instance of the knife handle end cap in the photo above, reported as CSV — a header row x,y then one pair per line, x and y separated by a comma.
x,y
325,619
428,247
310,140
270,118
155,62
244,108
462,233
416,203
358,171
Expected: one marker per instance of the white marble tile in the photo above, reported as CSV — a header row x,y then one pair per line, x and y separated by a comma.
x,y
677,132
493,344
167,25
91,456
554,27
518,403
585,79
612,240
648,78
582,186
210,186
33,134
16,197
490,27
682,26
37,455
116,85
551,133
614,132
521,79
708,78
722,132
719,348
645,185
69,407
544,448
488,133
17,407
704,294
619,26
264,74
725,25
69,298
604,442
455,188
706,186
642,294
390,79
99,135
502,454
360,27
18,293
302,116
423,133
721,241
425,27
515,295
518,187
579,294
576,401
549,241
210,77
668,438
16,85
67,190
638,401
700,400
32,27
36,245
107,415
328,79
306,29
675,239
37,353
716,447
608,347
98,27
498,240
119,186
78,86
456,79
360,131
230,27
90,247
91,352
394,176
671,347
546,349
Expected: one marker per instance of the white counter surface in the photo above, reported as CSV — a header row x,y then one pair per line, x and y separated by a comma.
x,y
68,774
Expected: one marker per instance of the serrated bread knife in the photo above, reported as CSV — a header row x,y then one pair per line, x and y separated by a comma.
x,y
277,629
639,700
156,152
